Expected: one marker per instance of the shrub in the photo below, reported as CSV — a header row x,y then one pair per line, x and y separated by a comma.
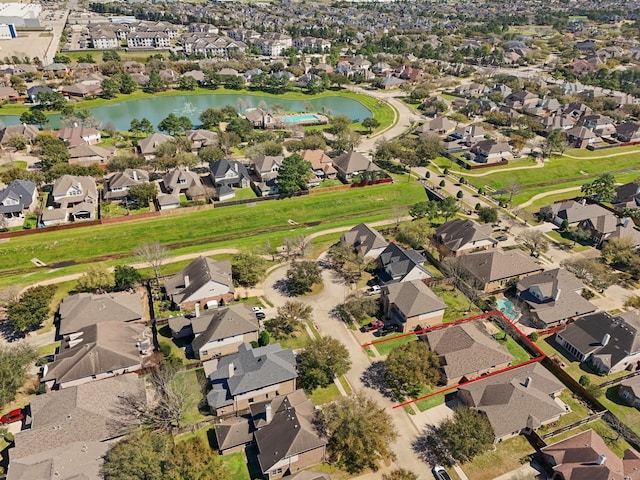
x,y
587,294
584,380
533,336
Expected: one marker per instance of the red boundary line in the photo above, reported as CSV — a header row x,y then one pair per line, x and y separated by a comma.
x,y
541,354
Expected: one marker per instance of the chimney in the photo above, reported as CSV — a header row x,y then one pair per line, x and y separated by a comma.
x,y
527,382
605,339
583,201
267,413
135,175
556,294
231,369
186,281
197,310
601,459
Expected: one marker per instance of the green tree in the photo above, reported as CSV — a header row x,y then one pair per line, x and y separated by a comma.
x,y
19,142
127,84
187,82
121,162
173,124
193,459
534,241
51,150
289,319
360,432
466,435
110,56
294,174
97,278
138,457
28,312
241,127
156,83
399,474
50,100
619,251
424,209
488,214
143,193
141,126
370,124
110,88
248,269
34,116
584,380
602,188
321,361
126,277
15,362
210,154
301,277
413,366
448,207
592,271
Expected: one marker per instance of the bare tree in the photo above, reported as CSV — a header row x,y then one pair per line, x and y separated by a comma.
x,y
455,269
267,249
534,241
513,187
154,254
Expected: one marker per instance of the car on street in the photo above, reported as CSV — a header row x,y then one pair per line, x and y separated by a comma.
x,y
373,326
13,416
440,473
374,290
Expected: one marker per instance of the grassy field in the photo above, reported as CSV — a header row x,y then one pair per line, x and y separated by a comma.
x,y
393,341
458,305
195,381
241,226
506,457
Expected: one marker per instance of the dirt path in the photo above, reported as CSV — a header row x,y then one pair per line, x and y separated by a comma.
x,y
546,194
465,173
601,156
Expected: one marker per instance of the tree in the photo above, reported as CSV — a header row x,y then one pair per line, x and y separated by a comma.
x,y
50,100
301,276
513,187
52,150
156,83
321,361
19,142
126,277
97,278
210,154
173,124
448,208
241,127
187,82
602,188
413,366
466,435
289,318
556,140
370,124
154,254
294,174
110,88
346,141
584,380
592,271
488,214
28,312
127,84
34,116
424,209
619,251
360,432
143,193
534,241
248,269
399,474
193,459
141,126
15,363
460,194
173,397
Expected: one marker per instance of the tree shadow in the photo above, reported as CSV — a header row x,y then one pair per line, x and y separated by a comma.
x,y
373,377
429,449
282,286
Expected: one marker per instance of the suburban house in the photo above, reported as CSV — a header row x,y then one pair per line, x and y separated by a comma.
x,y
266,167
469,134
608,343
467,351
365,241
117,184
571,211
217,331
181,180
148,145
229,173
30,132
601,125
461,236
201,138
492,270
203,281
85,88
395,264
609,226
582,137
86,155
628,132
321,163
249,376
72,198
438,126
516,401
84,309
99,351
86,420
490,151
18,199
587,456
282,429
412,305
627,195
75,135
353,163
260,118
553,297
629,391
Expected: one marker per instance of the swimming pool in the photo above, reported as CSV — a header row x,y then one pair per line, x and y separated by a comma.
x,y
508,308
301,118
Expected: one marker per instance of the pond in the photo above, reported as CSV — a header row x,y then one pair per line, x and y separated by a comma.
x,y
157,108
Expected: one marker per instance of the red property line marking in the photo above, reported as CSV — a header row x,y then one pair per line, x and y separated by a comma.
x,y
541,354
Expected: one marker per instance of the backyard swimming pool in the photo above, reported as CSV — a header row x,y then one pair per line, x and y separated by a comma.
x,y
508,308
302,118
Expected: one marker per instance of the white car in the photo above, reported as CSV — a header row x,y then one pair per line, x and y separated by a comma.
x,y
374,290
440,473
257,309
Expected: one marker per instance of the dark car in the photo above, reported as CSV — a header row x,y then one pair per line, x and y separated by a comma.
x,y
373,326
12,416
260,315
502,238
387,329
440,473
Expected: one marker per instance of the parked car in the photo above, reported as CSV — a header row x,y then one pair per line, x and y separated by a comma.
x,y
13,416
387,329
440,473
256,309
374,290
373,326
502,238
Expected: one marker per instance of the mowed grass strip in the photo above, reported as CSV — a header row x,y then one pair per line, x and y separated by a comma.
x,y
209,226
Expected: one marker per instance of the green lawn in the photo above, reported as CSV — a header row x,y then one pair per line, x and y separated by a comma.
x,y
393,341
518,353
506,457
630,416
176,348
48,349
321,395
458,305
195,382
299,340
240,226
550,199
237,465
584,153
578,412
430,402
243,194
564,238
617,445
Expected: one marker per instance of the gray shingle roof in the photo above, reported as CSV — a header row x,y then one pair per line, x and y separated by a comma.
x,y
497,264
413,298
226,322
352,162
363,239
459,232
201,271
17,197
395,263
